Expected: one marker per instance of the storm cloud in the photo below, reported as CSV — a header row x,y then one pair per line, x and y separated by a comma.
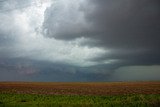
x,y
84,40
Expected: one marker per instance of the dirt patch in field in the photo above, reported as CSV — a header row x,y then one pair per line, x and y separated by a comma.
x,y
106,88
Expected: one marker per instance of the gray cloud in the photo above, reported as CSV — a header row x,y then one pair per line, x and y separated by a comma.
x,y
129,29
122,24
15,69
11,5
85,40
65,20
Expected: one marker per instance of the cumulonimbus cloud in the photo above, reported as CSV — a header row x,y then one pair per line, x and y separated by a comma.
x,y
93,36
24,25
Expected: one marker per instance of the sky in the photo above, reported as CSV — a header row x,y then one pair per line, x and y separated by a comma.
x,y
79,40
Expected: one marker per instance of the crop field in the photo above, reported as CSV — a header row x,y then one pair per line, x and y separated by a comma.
x,y
110,94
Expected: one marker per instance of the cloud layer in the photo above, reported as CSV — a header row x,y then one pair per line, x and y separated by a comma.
x,y
126,28
24,26
85,40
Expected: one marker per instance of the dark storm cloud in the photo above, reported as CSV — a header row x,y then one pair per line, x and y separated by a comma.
x,y
84,40
128,24
130,29
118,24
15,69
115,23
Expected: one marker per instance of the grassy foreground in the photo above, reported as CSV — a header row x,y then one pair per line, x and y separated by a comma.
x,y
30,100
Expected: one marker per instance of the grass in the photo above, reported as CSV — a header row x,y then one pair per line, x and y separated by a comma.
x,y
30,100
112,94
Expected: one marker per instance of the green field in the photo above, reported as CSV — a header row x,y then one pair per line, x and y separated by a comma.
x,y
108,94
29,100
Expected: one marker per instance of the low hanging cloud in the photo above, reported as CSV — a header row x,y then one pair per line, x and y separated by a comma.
x,y
84,40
